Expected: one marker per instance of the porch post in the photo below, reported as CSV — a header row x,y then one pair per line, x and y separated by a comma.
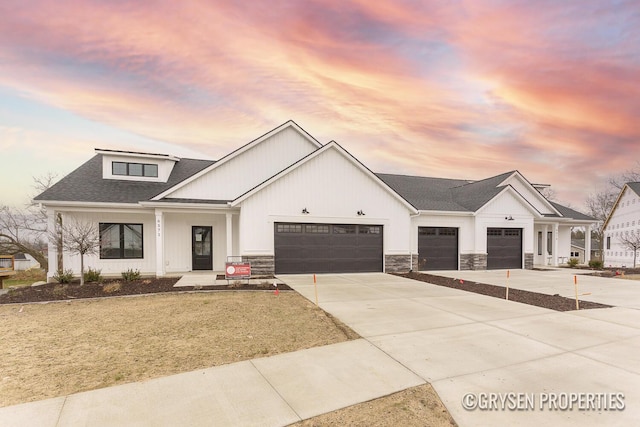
x,y
51,245
159,243
587,244
229,234
556,230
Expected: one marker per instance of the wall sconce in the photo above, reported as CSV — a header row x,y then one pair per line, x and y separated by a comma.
x,y
305,211
360,212
508,218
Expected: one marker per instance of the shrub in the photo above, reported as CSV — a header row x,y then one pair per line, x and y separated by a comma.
x,y
131,275
596,263
573,262
63,276
92,275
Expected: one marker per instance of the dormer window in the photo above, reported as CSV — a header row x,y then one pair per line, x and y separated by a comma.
x,y
134,169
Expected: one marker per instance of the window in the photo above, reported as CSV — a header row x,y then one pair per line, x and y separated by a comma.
x,y
608,242
549,243
370,229
494,232
134,169
121,241
316,228
289,228
344,229
539,242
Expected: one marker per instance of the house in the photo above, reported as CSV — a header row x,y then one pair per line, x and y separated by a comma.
x,y
289,204
24,262
577,249
623,223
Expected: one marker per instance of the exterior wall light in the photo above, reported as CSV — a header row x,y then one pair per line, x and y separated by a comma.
x,y
360,212
508,218
305,211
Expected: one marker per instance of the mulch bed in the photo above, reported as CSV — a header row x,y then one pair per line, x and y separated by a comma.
x,y
553,302
115,287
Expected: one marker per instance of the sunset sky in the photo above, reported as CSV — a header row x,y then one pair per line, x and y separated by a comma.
x,y
457,89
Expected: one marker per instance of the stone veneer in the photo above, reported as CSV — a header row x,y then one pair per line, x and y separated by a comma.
x,y
261,265
473,261
528,261
414,262
397,263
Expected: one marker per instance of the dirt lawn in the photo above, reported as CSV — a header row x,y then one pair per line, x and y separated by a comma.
x,y
60,348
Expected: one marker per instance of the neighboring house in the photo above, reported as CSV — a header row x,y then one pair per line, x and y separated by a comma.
x,y
577,249
24,262
624,220
288,204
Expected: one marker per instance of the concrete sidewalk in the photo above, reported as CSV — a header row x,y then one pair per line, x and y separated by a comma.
x,y
273,391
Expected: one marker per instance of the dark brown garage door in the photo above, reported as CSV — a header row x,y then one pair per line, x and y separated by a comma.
x,y
437,248
504,248
327,248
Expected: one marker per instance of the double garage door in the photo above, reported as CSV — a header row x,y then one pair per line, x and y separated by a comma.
x,y
438,248
327,248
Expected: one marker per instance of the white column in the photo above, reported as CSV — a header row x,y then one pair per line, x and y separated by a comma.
x,y
587,244
51,245
159,243
229,235
555,245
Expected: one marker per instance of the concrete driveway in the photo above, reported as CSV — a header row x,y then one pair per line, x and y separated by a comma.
x,y
513,364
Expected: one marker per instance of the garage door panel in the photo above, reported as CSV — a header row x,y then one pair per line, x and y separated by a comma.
x,y
504,248
437,248
323,248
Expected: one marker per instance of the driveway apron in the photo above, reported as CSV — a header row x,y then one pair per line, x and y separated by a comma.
x,y
492,361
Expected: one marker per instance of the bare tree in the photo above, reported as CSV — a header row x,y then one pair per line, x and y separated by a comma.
x,y
630,175
79,237
21,231
631,241
599,206
25,230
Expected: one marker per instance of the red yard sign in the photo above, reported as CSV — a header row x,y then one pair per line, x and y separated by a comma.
x,y
237,270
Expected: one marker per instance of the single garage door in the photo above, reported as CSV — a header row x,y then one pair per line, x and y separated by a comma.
x,y
327,248
437,248
504,248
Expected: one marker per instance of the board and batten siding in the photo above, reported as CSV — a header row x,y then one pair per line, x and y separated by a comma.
x,y
177,250
464,224
146,265
493,215
333,190
530,194
250,168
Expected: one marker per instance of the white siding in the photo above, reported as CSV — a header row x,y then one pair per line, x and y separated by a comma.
x,y
146,265
464,224
624,219
494,215
250,168
529,193
332,189
177,251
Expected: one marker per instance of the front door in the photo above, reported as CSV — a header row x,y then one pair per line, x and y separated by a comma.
x,y
201,256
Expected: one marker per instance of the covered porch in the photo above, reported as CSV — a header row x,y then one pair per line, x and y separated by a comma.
x,y
553,241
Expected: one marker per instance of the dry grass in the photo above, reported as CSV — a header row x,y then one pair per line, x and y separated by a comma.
x,y
630,277
56,349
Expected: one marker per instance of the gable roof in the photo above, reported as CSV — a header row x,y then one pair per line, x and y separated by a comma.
x,y
343,152
633,186
239,151
438,194
85,184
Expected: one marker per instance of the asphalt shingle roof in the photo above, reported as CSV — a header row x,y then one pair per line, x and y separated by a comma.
x,y
438,194
570,213
635,186
85,184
